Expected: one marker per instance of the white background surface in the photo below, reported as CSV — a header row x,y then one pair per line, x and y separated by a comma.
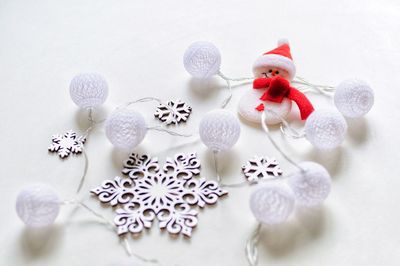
x,y
138,47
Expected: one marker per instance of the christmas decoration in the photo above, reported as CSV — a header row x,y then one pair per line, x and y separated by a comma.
x,y
273,71
172,193
173,112
151,192
312,185
272,203
38,205
259,168
277,88
125,128
219,130
325,129
202,59
353,98
88,90
66,144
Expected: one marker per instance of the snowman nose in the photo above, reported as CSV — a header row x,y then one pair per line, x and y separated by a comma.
x,y
275,72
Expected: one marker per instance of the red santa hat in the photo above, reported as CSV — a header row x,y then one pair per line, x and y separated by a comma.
x,y
278,57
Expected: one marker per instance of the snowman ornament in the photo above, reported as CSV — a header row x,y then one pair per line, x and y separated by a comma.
x,y
273,71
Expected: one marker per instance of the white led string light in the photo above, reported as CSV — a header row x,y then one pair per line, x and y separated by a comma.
x,y
273,199
324,129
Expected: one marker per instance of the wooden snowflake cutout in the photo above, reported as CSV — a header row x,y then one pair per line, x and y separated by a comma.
x,y
173,112
261,168
66,144
169,194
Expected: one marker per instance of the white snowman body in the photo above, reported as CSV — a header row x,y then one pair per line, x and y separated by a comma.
x,y
277,62
251,99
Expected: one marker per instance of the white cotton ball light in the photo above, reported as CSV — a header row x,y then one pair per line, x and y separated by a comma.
x,y
272,203
311,186
202,60
38,205
325,129
219,130
354,98
88,90
125,128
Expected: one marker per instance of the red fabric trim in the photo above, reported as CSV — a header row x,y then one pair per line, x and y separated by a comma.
x,y
277,89
305,106
283,50
261,83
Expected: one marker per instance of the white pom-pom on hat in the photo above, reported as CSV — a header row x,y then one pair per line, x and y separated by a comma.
x,y
38,205
325,129
353,98
283,41
125,128
219,130
88,90
311,186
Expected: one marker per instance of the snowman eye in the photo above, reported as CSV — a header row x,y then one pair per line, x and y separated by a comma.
x,y
270,71
277,72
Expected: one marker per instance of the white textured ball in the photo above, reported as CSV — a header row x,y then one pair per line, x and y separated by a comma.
x,y
325,129
251,99
354,98
88,90
125,128
202,60
219,130
272,203
38,205
312,186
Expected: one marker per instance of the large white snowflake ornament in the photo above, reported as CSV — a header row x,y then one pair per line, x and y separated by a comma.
x,y
173,112
150,192
261,168
66,144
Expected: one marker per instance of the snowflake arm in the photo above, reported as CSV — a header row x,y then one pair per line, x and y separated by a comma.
x,y
181,219
133,218
201,192
117,191
138,166
183,166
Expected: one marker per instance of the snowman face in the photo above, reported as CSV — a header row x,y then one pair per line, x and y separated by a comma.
x,y
269,72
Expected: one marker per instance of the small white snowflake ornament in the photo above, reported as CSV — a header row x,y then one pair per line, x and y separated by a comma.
x,y
173,112
66,144
261,168
150,192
